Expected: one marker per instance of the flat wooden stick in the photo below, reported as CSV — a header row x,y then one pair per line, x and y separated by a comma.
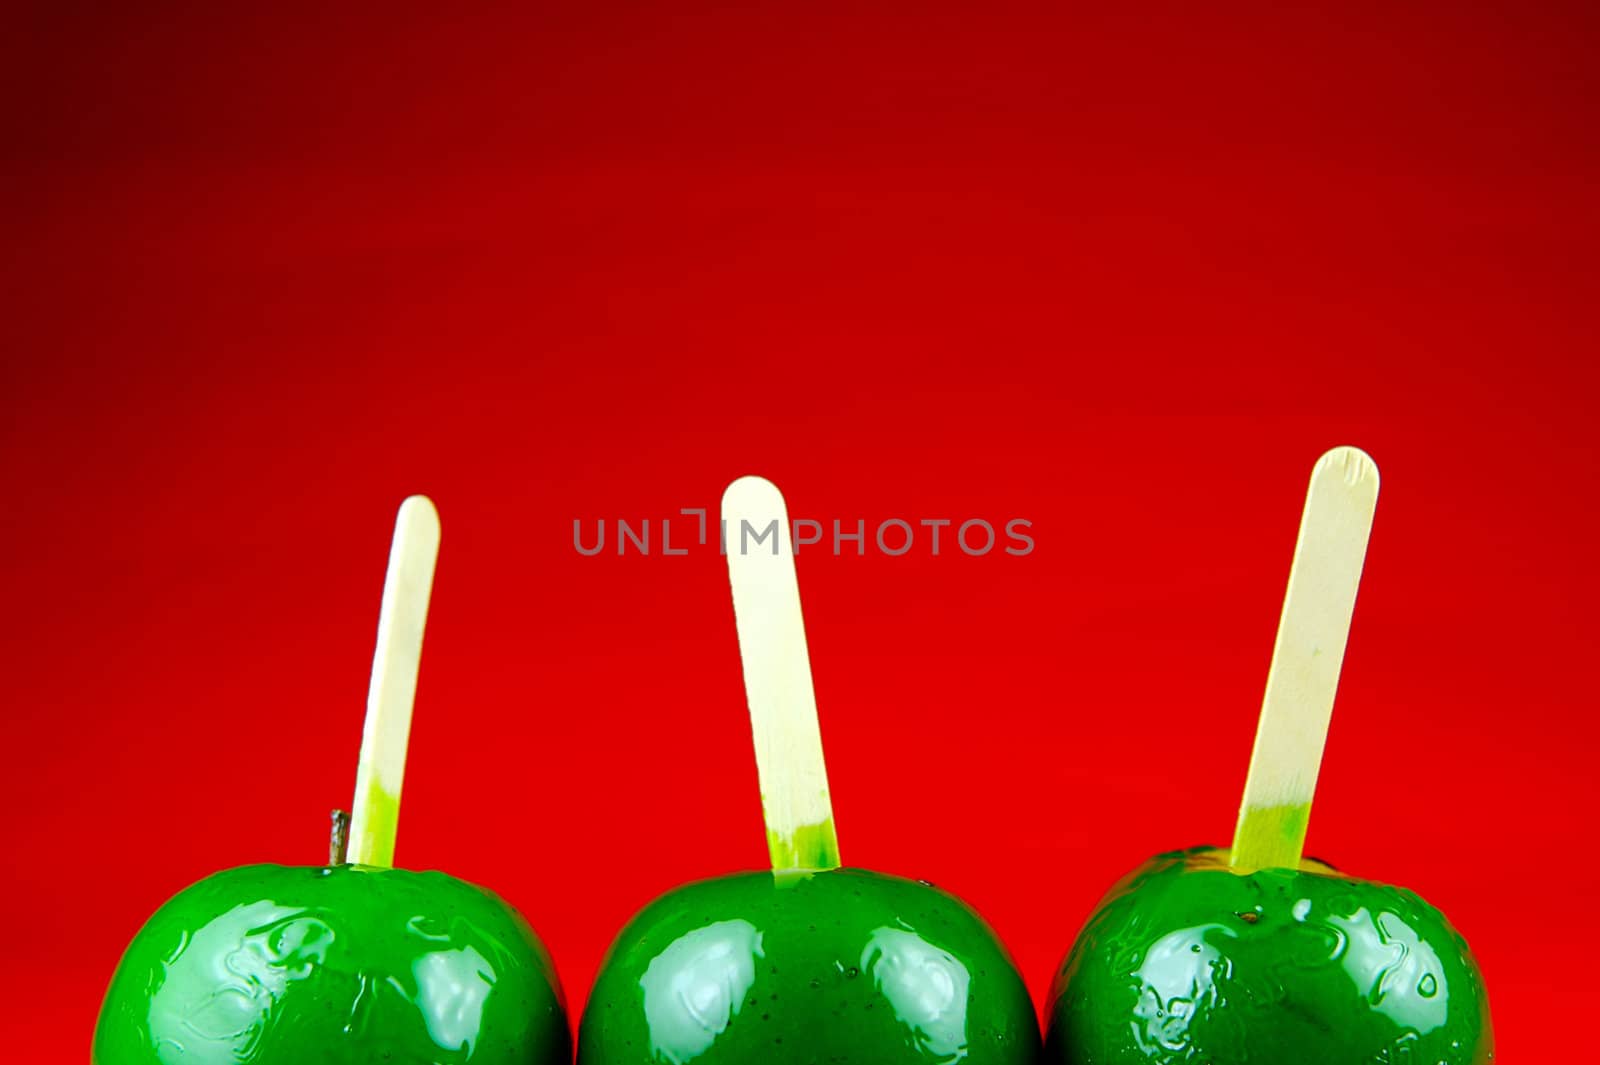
x,y
777,678
375,816
1306,659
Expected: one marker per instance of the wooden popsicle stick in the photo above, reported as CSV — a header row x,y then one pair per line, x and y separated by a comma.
x,y
407,588
777,678
1306,659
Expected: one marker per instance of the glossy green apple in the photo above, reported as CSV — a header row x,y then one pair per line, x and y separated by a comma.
x,y
1188,961
282,965
838,966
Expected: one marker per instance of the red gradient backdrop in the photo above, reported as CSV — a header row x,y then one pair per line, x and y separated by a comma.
x,y
1123,275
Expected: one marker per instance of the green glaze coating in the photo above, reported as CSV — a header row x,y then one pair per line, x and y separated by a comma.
x,y
811,847
383,825
1271,836
285,965
1188,961
829,967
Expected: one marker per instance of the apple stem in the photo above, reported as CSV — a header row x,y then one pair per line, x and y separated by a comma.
x,y
1306,659
777,679
339,839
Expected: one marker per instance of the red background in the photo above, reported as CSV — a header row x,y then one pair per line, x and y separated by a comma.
x,y
1123,275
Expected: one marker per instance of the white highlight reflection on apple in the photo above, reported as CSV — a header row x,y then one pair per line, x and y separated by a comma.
x,y
926,986
452,986
1178,976
247,958
1394,969
694,988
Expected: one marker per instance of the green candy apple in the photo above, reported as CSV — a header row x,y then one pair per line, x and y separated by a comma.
x,y
1188,961
838,966
352,962
285,965
808,963
1257,956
